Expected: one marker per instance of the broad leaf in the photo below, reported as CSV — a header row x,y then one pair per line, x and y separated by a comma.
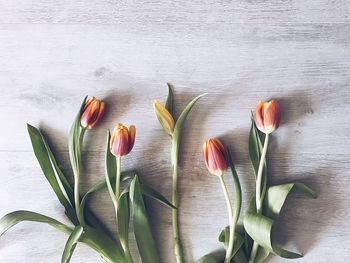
x,y
71,244
170,100
260,227
142,229
52,171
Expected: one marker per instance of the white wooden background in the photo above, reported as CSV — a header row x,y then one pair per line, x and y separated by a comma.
x,y
53,53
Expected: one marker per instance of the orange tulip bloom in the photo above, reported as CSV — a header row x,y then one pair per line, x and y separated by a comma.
x,y
267,116
215,156
92,113
122,140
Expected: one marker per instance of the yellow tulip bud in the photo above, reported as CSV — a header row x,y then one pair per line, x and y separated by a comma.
x,y
164,117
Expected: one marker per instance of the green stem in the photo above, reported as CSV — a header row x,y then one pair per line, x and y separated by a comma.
x,y
253,253
77,173
259,196
231,223
117,179
124,245
174,197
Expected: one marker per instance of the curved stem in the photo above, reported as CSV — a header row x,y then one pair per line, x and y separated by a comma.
x,y
253,252
230,216
117,179
259,196
174,198
76,172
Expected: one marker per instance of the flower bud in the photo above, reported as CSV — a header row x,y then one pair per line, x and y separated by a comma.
x,y
267,116
92,113
164,117
215,156
122,140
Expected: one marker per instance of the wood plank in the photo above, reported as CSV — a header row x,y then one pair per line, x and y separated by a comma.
x,y
146,13
310,77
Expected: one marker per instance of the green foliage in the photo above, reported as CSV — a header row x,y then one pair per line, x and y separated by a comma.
x,y
143,233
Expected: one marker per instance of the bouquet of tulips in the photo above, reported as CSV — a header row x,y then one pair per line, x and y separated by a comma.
x,y
128,193
255,242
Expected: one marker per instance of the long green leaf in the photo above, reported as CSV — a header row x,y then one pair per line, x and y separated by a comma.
x,y
52,172
16,217
260,227
123,218
152,193
170,100
142,229
71,244
182,118
255,149
111,171
74,141
237,190
97,240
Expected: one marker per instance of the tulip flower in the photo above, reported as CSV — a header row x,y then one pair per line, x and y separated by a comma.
x,y
174,129
267,116
215,156
122,140
164,117
216,160
92,113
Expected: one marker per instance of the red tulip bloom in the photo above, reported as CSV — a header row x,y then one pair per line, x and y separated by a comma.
x,y
122,140
267,116
215,156
92,113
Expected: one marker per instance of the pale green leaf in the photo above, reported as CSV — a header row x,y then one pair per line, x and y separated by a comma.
x,y
71,244
260,227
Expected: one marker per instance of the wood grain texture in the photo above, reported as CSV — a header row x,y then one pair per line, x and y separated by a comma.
x,y
53,53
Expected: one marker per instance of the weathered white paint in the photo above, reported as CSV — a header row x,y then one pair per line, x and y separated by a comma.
x,y
53,53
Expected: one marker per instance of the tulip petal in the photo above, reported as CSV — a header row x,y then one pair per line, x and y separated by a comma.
x,y
132,134
272,116
259,116
215,156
